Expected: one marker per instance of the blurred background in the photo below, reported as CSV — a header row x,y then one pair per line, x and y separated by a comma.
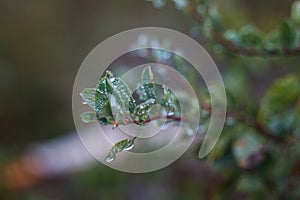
x,y
42,44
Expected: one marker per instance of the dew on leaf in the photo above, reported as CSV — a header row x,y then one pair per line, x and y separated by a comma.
x,y
110,157
129,147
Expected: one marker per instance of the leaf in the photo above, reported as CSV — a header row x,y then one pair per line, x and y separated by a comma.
x,y
88,117
112,100
248,144
168,101
102,106
278,109
250,36
146,90
287,35
106,116
233,36
147,75
123,145
271,41
158,3
295,12
215,19
180,4
141,112
120,98
89,96
102,96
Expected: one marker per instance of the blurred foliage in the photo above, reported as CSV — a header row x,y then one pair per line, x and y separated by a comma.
x,y
257,154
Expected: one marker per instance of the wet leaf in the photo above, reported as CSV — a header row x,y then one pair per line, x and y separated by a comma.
x,y
141,112
88,117
168,101
117,87
114,101
146,90
89,96
123,145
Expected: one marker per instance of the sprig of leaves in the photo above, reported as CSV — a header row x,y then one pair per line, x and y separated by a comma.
x,y
112,103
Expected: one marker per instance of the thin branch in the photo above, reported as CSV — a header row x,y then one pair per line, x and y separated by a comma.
x,y
247,120
234,48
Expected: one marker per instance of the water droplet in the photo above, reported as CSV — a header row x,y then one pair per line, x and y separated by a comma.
x,y
88,117
110,157
129,147
171,113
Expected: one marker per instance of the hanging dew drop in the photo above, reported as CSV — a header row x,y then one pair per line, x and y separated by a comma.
x,y
129,147
109,158
170,114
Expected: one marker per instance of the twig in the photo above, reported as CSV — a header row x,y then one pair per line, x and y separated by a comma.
x,y
234,48
249,121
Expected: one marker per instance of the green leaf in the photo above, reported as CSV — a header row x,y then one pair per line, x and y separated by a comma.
x,y
112,100
295,12
147,75
123,145
287,35
120,98
88,117
168,101
141,112
250,36
102,106
146,90
278,109
272,41
89,96
232,36
101,97
106,116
